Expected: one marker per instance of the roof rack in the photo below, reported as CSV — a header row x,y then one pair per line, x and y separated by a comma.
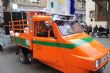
x,y
63,17
63,14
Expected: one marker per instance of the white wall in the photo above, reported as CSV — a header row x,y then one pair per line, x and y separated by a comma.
x,y
59,7
90,6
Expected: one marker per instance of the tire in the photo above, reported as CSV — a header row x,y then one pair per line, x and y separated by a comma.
x,y
30,58
17,50
22,57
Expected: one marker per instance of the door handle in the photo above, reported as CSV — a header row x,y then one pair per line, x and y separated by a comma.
x,y
38,47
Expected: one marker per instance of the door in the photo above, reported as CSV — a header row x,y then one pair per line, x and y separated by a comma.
x,y
45,45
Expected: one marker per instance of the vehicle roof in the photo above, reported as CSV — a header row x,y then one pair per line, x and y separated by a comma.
x,y
42,17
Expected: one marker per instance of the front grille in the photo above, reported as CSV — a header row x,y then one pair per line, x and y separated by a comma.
x,y
104,58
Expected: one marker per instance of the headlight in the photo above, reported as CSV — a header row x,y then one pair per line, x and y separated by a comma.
x,y
97,63
108,54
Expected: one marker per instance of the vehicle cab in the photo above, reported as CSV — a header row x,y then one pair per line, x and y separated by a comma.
x,y
60,42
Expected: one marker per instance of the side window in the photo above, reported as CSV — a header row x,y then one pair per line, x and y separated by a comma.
x,y
41,29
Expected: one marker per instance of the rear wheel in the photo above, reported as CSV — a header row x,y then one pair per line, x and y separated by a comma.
x,y
22,56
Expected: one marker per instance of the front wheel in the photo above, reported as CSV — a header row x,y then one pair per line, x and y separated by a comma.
x,y
22,57
31,59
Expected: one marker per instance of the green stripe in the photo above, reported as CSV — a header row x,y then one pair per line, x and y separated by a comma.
x,y
20,41
24,43
88,39
62,45
45,43
53,44
83,41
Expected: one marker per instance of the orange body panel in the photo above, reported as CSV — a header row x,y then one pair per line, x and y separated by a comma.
x,y
58,53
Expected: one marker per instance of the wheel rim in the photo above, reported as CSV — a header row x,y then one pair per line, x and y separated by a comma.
x,y
30,59
21,57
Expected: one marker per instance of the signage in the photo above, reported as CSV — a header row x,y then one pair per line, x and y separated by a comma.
x,y
35,1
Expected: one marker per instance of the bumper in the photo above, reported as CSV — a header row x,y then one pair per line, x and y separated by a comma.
x,y
86,64
101,70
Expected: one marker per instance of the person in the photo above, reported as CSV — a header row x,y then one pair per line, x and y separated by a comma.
x,y
95,30
89,29
107,31
86,28
101,31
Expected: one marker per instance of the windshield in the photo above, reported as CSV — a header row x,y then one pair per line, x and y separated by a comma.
x,y
68,27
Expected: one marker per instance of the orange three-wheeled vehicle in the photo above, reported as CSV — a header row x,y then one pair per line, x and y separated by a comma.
x,y
58,41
